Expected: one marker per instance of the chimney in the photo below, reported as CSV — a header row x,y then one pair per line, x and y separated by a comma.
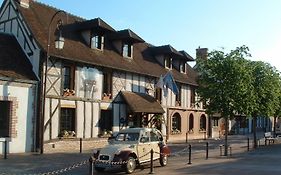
x,y
24,3
202,53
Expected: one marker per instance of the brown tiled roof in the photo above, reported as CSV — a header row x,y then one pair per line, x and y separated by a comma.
x,y
38,16
141,102
127,34
13,62
186,56
96,23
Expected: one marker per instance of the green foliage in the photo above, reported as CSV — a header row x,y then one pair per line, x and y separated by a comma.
x,y
231,84
266,83
225,82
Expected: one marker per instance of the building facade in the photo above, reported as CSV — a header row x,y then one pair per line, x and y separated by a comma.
x,y
94,85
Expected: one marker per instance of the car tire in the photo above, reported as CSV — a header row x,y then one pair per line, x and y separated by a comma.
x,y
163,160
99,169
130,165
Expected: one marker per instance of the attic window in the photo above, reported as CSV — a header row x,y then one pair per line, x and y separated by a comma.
x,y
127,50
168,63
97,42
182,67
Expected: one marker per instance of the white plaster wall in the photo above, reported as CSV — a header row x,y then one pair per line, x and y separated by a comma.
x,y
46,119
80,119
55,119
88,120
96,117
24,113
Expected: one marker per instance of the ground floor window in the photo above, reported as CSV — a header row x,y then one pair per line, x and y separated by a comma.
x,y
176,123
106,122
67,122
215,121
203,123
5,108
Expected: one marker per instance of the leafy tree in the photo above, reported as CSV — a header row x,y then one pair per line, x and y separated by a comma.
x,y
225,83
266,92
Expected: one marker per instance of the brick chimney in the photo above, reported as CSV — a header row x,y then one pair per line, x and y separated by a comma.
x,y
202,53
24,3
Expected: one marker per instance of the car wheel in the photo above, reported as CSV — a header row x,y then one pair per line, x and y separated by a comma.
x,y
130,166
163,160
99,169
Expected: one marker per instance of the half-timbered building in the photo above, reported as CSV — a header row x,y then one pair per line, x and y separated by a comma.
x,y
101,80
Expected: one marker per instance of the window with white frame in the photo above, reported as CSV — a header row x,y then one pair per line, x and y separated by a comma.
x,y
168,62
97,42
127,50
182,67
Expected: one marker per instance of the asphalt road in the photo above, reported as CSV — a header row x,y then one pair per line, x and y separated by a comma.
x,y
265,159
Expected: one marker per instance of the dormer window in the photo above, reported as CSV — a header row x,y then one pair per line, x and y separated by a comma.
x,y
182,67
97,42
168,63
127,50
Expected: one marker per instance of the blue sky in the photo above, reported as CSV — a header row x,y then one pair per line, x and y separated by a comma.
x,y
187,24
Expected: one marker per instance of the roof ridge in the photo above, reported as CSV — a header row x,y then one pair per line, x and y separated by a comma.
x,y
57,9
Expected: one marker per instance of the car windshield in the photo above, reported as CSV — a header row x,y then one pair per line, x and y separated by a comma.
x,y
127,137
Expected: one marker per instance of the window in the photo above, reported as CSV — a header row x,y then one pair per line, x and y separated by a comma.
x,y
5,107
67,119
107,84
182,67
127,50
155,136
158,95
203,123
97,42
68,77
168,63
215,122
176,123
178,96
191,123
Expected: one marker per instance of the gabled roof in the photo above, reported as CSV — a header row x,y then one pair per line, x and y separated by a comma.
x,y
166,50
186,56
38,16
96,23
13,61
127,35
141,102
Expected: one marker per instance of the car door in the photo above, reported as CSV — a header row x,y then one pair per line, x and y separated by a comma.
x,y
154,143
144,147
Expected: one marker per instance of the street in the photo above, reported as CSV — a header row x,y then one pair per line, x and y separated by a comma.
x,y
264,159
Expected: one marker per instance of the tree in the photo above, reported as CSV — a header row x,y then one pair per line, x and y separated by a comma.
x,y
266,92
225,83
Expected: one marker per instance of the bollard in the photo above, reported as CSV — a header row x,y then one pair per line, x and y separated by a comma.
x,y
151,162
230,151
189,156
207,150
91,166
80,145
248,144
6,149
221,149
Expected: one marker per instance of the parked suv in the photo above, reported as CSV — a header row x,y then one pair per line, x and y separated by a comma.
x,y
130,148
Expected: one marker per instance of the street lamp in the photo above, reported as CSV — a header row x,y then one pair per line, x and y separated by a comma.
x,y
59,43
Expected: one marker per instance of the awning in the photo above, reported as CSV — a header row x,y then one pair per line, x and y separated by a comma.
x,y
141,102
